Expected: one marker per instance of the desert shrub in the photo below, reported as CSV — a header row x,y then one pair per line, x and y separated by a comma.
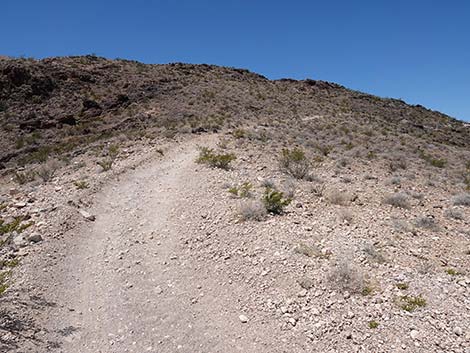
x,y
411,303
452,272
274,201
15,225
347,277
81,184
373,324
402,226
252,210
214,160
106,164
425,222
345,215
454,213
397,164
318,189
294,162
435,162
47,170
397,200
461,200
402,285
338,197
372,253
4,281
288,188
239,133
24,177
113,151
244,190
308,250
268,183
394,180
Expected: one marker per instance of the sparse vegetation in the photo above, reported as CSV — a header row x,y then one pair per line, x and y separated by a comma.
x,y
372,253
294,162
337,197
14,226
47,170
318,189
345,215
400,200
373,324
411,303
274,201
461,200
454,214
252,210
425,222
81,184
243,191
106,164
452,272
4,281
402,286
215,160
347,277
307,250
24,177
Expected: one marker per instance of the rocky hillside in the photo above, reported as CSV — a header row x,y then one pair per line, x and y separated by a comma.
x,y
60,106
168,207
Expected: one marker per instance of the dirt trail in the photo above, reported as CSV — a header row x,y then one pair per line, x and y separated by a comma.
x,y
127,285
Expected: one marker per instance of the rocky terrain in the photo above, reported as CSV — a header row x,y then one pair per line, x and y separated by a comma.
x,y
315,219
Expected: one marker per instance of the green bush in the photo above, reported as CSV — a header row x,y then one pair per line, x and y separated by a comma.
x,y
214,160
274,201
294,162
244,190
411,303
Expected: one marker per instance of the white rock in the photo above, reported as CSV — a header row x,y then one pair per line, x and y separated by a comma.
x,y
19,241
414,334
86,215
292,321
243,318
458,331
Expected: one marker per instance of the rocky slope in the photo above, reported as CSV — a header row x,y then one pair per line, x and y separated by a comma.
x,y
104,212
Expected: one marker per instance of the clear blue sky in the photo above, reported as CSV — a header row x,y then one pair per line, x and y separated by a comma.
x,y
417,50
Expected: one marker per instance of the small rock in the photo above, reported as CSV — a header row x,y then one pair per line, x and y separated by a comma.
x,y
302,293
87,216
292,321
458,331
20,204
414,334
35,238
19,241
306,283
243,318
